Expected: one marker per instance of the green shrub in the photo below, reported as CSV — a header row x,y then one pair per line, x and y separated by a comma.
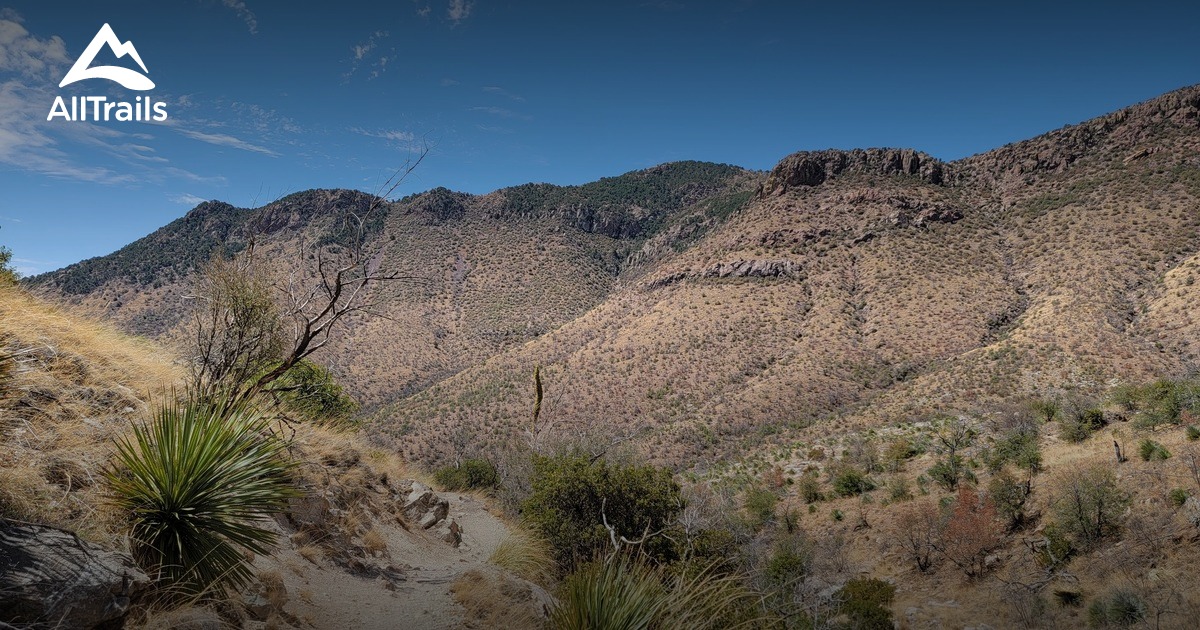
x,y
1020,448
1121,608
1192,432
789,561
809,488
1150,450
1178,497
1068,599
948,472
190,483
867,603
471,474
849,481
1090,505
1056,549
310,391
569,492
1080,425
1009,497
760,504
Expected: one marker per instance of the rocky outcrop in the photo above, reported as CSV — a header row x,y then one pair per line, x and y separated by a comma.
x,y
733,269
813,168
52,578
1123,132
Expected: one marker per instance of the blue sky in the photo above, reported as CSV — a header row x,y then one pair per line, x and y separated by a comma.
x,y
267,98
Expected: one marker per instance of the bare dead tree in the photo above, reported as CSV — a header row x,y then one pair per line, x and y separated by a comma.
x,y
246,343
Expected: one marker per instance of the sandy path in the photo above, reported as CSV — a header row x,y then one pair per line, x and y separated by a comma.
x,y
325,596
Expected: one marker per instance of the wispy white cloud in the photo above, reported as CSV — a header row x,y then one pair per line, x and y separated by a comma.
x,y
225,140
404,139
187,199
501,112
447,82
239,7
459,10
26,142
503,92
30,267
363,52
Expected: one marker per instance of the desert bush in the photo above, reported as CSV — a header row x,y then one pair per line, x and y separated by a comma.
x,y
624,593
972,532
1055,549
866,602
760,505
1162,402
1019,448
1121,608
470,474
898,489
849,481
809,488
571,492
311,391
897,452
949,471
790,559
919,532
1090,505
191,483
1079,425
1192,432
1178,497
1149,450
1009,496
1046,409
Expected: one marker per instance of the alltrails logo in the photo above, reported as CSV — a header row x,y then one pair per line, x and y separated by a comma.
x,y
99,107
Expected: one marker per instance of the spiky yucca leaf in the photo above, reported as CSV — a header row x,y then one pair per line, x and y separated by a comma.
x,y
625,594
192,482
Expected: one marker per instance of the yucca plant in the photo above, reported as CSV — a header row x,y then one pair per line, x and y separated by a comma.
x,y
193,481
626,594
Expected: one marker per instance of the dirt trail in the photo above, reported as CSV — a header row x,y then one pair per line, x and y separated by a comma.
x,y
323,595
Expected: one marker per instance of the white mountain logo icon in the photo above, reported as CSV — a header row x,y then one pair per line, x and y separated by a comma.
x,y
131,79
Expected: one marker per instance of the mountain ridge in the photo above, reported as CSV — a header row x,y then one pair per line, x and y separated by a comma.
x,y
709,309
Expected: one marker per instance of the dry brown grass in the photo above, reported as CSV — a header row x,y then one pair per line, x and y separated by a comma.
x,y
76,385
526,555
494,600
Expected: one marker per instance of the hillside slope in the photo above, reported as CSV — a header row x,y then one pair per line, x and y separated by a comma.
x,y
490,271
881,277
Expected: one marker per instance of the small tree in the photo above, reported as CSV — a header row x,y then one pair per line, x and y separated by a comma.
x,y
972,532
920,528
1090,505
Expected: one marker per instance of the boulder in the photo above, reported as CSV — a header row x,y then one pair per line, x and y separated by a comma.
x,y
1191,510
53,578
425,507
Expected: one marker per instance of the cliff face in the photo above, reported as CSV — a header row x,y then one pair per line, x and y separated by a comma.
x,y
812,168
